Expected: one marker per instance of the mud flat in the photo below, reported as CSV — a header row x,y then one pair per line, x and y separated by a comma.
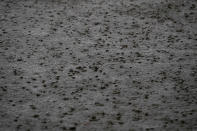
x,y
98,65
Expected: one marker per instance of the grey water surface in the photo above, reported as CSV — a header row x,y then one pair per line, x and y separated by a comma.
x,y
98,65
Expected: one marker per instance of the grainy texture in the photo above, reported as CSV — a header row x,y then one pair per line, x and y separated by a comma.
x,y
98,65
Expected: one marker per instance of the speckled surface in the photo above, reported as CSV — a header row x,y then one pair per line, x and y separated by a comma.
x,y
98,65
